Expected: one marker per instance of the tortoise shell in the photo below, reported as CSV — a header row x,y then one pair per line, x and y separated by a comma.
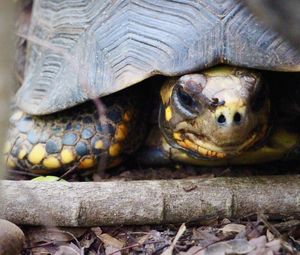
x,y
85,49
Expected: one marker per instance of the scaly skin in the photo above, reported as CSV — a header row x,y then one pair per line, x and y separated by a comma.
x,y
193,136
216,114
218,117
73,138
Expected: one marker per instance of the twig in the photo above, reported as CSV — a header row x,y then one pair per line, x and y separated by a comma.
x,y
180,232
146,202
264,220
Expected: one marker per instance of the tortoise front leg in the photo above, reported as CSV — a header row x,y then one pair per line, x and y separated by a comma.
x,y
75,138
153,152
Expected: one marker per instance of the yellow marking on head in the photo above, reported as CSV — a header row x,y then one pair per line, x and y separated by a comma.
x,y
202,151
99,145
10,163
51,162
87,162
209,153
221,155
67,156
190,145
7,147
187,144
212,154
182,144
166,90
22,153
37,153
127,116
168,113
121,132
177,136
114,149
221,70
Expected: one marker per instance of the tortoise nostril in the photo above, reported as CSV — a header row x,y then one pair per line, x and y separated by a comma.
x,y
237,117
221,119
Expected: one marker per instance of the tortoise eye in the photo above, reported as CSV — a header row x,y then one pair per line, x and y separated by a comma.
x,y
185,99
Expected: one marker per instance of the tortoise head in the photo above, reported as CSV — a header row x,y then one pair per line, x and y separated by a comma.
x,y
216,114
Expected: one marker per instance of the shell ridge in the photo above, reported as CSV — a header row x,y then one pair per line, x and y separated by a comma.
x,y
99,47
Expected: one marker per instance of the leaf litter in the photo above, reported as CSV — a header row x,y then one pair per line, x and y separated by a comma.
x,y
252,235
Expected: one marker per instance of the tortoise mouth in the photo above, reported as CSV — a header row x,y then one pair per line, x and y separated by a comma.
x,y
202,146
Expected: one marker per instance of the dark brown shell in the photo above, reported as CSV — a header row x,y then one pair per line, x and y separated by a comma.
x,y
86,49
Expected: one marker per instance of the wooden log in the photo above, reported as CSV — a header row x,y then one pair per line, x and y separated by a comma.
x,y
146,202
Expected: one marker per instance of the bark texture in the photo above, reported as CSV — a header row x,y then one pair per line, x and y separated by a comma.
x,y
146,202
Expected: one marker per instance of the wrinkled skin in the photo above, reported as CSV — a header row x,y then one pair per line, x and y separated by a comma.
x,y
219,113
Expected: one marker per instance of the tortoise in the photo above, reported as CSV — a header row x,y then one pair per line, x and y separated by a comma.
x,y
215,107
283,16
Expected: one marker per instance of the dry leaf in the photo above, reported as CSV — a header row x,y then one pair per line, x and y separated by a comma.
x,y
143,239
233,227
67,250
259,241
112,250
111,241
270,236
87,240
236,246
97,231
263,248
254,231
205,234
194,250
225,221
180,232
275,245
39,251
42,234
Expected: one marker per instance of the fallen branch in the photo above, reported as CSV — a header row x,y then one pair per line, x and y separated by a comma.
x,y
146,202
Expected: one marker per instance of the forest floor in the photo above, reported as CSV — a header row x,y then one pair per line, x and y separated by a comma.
x,y
251,234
